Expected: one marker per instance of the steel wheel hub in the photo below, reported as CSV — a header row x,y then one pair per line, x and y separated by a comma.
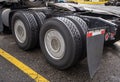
x,y
20,31
54,44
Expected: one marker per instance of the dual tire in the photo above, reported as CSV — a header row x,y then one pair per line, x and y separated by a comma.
x,y
61,38
25,29
61,41
113,3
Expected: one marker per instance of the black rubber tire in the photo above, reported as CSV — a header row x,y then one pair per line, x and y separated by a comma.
x,y
82,27
117,3
40,18
72,39
31,27
37,3
107,4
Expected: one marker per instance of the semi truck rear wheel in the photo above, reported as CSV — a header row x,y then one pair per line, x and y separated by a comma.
x,y
117,3
40,18
24,29
61,42
82,27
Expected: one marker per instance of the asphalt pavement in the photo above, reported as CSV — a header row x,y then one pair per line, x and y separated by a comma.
x,y
109,70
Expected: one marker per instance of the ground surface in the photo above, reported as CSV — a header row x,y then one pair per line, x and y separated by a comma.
x,y
109,69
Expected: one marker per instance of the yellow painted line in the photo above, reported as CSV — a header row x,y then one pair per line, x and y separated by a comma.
x,y
27,70
88,2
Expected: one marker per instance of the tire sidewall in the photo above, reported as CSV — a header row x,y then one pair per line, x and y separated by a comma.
x,y
20,16
69,42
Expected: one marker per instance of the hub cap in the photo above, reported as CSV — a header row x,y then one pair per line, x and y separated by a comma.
x,y
20,31
54,44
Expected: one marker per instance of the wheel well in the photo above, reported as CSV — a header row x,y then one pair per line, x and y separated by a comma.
x,y
10,18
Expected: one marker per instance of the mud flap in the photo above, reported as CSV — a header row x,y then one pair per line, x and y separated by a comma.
x,y
94,47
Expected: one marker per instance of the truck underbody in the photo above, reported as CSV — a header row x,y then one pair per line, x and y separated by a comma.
x,y
67,32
